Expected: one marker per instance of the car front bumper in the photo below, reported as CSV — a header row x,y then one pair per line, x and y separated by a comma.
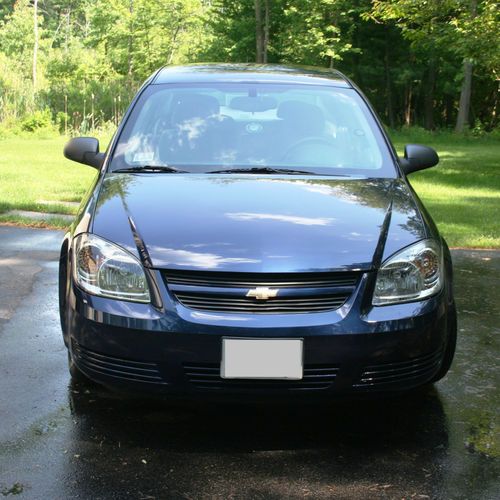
x,y
176,350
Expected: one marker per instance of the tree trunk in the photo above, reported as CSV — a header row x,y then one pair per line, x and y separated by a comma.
x,y
465,94
449,110
67,35
388,87
35,45
174,40
429,96
266,31
130,41
259,35
408,106
493,117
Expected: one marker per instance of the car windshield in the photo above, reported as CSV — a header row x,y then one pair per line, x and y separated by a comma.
x,y
250,126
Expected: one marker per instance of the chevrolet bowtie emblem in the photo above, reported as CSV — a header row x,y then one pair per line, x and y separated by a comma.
x,y
262,293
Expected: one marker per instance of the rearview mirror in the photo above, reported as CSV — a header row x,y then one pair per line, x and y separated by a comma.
x,y
418,157
84,150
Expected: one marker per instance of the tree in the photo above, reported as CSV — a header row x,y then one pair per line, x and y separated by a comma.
x,y
231,31
476,40
143,35
312,32
35,43
430,63
21,37
261,30
462,30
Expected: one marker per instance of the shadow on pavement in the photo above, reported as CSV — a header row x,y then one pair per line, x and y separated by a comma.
x,y
361,446
415,419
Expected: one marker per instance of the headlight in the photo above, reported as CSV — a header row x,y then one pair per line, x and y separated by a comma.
x,y
412,274
105,269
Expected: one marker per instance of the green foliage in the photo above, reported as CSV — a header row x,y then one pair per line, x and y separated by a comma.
x,y
317,33
16,92
231,27
16,48
82,83
407,55
16,33
37,120
466,28
141,35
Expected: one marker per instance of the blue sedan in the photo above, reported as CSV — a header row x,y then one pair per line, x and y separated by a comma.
x,y
251,231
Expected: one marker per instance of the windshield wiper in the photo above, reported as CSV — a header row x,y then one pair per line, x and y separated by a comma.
x,y
261,170
151,169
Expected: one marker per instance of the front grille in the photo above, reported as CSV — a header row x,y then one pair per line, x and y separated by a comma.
x,y
411,371
207,377
248,305
252,280
227,292
126,369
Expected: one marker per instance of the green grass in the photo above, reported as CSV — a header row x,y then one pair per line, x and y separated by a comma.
x,y
462,193
35,176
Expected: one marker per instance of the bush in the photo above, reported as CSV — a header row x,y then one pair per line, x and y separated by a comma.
x,y
6,129
36,121
62,119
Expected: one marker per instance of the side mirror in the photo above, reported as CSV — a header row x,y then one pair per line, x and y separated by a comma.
x,y
84,150
418,157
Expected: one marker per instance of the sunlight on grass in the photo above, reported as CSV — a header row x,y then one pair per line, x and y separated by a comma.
x,y
463,192
16,220
32,170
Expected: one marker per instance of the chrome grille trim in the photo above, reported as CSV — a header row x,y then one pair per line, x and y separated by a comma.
x,y
227,292
230,304
207,377
126,369
252,280
386,374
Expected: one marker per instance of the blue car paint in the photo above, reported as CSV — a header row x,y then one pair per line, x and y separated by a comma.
x,y
256,224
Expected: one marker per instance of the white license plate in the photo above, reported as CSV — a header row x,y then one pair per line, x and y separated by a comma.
x,y
262,358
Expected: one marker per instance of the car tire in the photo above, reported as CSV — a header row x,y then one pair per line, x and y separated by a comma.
x,y
449,352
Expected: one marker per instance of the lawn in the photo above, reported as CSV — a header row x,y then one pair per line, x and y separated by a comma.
x,y
462,193
35,176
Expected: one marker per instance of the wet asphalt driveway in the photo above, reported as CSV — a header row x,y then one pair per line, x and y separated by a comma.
x,y
63,441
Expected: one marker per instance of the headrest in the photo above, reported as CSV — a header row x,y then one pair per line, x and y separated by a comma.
x,y
189,106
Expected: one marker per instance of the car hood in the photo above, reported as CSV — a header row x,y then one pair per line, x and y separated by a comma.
x,y
252,223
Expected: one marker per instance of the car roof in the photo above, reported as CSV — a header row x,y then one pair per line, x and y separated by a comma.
x,y
243,73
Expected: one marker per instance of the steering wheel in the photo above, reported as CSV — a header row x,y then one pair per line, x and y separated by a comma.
x,y
303,146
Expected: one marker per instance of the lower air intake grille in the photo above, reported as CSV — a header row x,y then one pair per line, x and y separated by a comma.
x,y
126,369
207,377
284,293
413,370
